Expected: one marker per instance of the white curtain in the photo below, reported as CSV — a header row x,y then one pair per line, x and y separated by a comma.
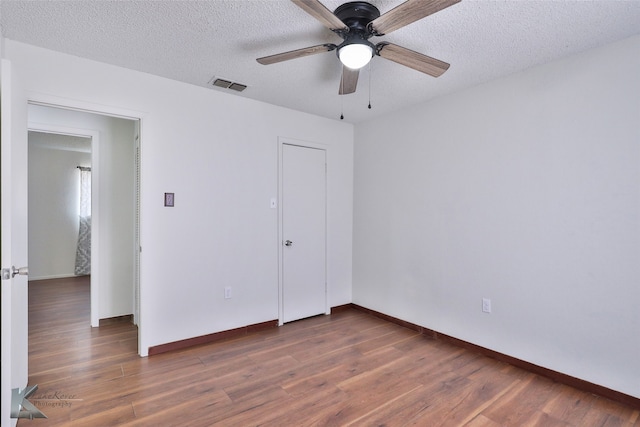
x,y
83,253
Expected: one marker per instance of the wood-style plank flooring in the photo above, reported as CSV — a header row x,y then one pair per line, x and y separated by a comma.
x,y
347,369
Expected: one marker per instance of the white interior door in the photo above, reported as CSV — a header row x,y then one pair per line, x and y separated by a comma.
x,y
13,207
304,292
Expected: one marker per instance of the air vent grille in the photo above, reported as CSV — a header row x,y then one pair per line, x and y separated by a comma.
x,y
222,83
226,84
238,87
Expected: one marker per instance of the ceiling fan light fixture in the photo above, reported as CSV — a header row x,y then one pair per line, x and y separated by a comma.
x,y
355,55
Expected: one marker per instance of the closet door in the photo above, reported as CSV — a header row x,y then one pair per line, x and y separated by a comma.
x,y
304,290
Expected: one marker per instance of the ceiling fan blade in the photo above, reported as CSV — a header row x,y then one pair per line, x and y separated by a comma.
x,y
322,14
298,53
412,59
349,81
406,13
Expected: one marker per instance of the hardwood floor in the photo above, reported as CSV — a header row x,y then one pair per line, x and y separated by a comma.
x,y
347,369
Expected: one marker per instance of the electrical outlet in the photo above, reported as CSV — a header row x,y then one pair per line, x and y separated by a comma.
x,y
486,305
227,292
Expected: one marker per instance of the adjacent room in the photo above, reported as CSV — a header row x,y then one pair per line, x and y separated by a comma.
x,y
449,234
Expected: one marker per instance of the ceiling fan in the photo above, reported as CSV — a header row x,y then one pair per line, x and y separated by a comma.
x,y
356,22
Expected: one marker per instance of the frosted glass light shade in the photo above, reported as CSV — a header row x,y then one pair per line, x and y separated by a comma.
x,y
355,55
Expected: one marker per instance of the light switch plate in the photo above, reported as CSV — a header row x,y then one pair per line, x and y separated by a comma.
x,y
169,199
486,305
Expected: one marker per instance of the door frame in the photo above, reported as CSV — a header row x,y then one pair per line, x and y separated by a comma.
x,y
37,98
95,204
313,145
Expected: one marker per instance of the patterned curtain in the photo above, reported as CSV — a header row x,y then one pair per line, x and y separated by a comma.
x,y
83,253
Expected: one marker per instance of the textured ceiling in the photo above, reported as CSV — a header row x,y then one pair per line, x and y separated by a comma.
x,y
194,41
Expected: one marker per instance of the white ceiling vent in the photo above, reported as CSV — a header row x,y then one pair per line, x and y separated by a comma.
x,y
226,84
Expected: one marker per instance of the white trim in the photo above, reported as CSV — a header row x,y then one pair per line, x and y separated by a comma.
x,y
47,100
53,276
38,98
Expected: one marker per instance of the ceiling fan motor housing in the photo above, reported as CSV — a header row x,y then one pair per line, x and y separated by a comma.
x,y
356,15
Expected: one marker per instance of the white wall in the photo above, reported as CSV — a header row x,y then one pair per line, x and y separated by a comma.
x,y
54,194
525,190
218,154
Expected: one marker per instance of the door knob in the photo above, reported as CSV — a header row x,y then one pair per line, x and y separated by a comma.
x,y
22,271
9,273
288,243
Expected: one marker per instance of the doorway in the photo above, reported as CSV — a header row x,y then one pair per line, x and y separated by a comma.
x,y
303,225
55,194
114,161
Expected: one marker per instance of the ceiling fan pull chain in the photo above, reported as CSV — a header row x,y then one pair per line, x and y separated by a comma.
x,y
342,97
369,85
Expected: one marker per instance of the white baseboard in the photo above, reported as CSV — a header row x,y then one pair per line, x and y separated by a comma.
x,y
53,276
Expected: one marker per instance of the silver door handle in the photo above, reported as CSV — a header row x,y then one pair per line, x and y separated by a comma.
x,y
9,273
22,271
288,243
